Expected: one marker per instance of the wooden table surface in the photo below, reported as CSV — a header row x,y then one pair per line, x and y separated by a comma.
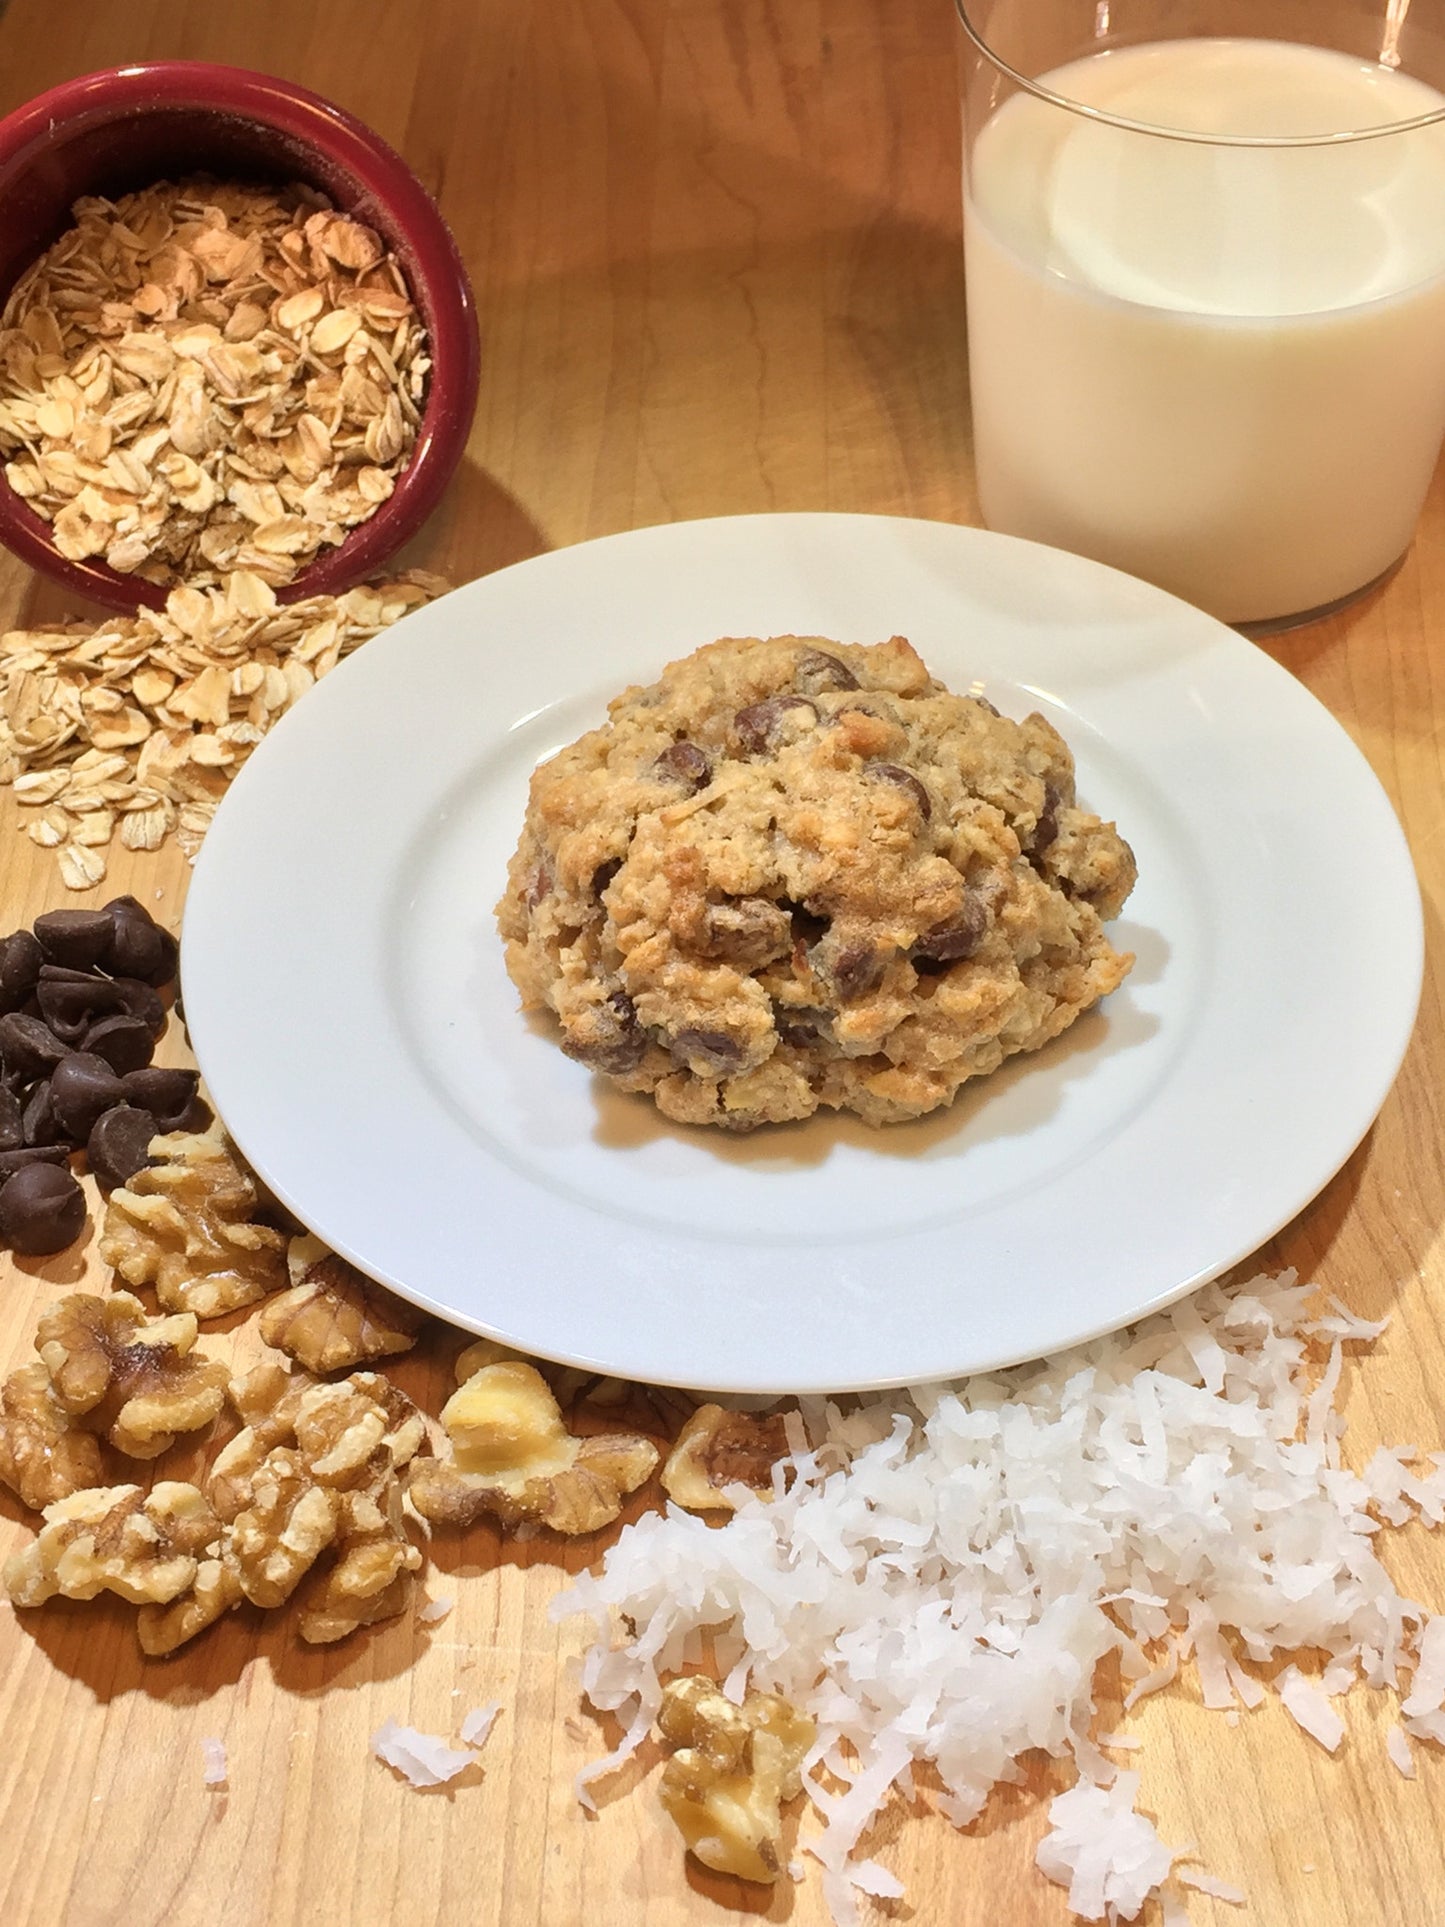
x,y
716,249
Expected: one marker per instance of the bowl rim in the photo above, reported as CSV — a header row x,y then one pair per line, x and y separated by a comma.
x,y
441,287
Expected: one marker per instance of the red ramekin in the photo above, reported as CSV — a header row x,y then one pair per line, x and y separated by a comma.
x,y
110,132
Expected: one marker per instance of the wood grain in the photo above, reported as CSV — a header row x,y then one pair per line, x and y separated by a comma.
x,y
716,249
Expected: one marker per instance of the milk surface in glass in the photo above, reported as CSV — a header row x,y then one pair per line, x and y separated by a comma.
x,y
1220,368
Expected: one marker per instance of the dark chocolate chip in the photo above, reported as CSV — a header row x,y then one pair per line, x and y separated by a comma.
x,y
25,1154
604,874
71,1000
760,725
79,939
39,1124
137,999
124,1042
747,932
853,969
817,670
169,1095
1047,827
709,1053
84,1085
959,937
20,961
684,762
139,946
12,1110
42,1209
904,779
28,1046
609,1038
119,1145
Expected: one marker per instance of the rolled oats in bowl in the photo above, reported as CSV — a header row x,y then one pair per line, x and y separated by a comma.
x,y
204,376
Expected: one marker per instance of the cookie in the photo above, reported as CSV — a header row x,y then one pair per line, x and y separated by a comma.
x,y
795,874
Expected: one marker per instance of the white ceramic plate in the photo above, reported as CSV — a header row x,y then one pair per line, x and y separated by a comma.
x,y
347,1000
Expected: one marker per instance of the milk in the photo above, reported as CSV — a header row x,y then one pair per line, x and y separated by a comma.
x,y
1222,369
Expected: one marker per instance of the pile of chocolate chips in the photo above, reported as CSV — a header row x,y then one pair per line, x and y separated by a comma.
x,y
80,1013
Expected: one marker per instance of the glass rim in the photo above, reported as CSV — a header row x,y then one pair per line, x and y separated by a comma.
x,y
1069,105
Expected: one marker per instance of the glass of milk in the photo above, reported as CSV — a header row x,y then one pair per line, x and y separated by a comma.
x,y
1205,261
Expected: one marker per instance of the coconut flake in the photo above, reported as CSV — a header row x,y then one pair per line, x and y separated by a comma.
x,y
1427,1689
420,1758
1398,1748
1109,1857
1205,1883
213,1762
937,1576
433,1610
477,1726
1308,1707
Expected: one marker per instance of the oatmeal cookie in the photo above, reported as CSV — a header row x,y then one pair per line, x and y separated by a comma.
x,y
797,873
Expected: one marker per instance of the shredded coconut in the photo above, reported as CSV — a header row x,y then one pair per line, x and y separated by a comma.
x,y
434,1609
213,1762
420,1758
937,1576
478,1724
1398,1748
1205,1883
1309,1708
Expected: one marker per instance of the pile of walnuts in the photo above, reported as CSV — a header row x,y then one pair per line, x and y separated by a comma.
x,y
321,1474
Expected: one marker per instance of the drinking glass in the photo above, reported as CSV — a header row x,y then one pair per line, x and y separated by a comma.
x,y
1205,266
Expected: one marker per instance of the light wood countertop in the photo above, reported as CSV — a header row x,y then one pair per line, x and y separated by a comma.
x,y
716,248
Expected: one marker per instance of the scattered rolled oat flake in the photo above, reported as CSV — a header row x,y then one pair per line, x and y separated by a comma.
x,y
213,1761
943,1569
420,1758
206,375
434,1609
198,684
477,1726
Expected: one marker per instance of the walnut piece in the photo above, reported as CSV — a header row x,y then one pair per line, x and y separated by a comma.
x,y
161,1629
268,1399
333,1318
134,1378
734,1767
717,1449
116,1538
335,1484
513,1458
568,1382
373,1573
44,1454
185,1225
289,1523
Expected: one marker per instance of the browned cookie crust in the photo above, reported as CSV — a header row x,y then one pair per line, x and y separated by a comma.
x,y
795,873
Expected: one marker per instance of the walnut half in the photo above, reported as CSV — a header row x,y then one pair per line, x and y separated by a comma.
x,y
115,1538
186,1224
333,1318
718,1449
734,1767
44,1454
134,1378
513,1458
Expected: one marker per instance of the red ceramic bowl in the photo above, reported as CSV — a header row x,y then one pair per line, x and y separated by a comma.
x,y
110,132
